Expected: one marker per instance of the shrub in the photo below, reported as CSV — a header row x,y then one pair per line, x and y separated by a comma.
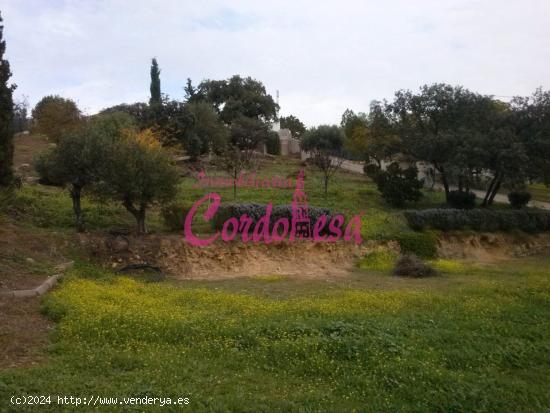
x,y
256,211
423,244
462,200
397,186
519,199
273,143
412,266
174,216
479,220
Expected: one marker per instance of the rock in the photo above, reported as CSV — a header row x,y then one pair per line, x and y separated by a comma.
x,y
117,243
32,180
30,260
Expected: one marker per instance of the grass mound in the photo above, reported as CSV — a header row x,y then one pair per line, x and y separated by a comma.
x,y
412,266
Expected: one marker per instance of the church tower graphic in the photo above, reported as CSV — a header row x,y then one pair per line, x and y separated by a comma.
x,y
301,223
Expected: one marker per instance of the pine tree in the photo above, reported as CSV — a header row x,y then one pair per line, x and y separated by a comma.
x,y
155,84
6,116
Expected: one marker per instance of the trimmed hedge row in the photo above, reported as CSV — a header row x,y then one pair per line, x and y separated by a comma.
x,y
479,220
256,211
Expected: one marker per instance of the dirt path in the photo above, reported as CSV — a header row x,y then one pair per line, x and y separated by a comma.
x,y
24,332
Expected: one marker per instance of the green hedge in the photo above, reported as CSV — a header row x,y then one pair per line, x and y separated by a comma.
x,y
479,220
422,244
256,211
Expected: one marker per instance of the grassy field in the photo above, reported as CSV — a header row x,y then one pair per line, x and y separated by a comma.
x,y
350,194
474,339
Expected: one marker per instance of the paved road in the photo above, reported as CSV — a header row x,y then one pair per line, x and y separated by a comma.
x,y
503,199
357,167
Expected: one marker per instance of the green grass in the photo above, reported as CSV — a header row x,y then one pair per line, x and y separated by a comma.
x,y
51,207
350,194
540,192
474,339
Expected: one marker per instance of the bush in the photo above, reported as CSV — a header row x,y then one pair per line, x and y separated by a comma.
x,y
423,244
462,200
273,144
174,216
519,199
412,266
479,220
397,186
256,211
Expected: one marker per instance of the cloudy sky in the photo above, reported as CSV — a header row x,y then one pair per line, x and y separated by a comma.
x,y
323,56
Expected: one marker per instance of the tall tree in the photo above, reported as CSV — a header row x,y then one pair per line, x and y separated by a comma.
x,y
156,98
532,123
351,120
297,128
190,91
55,116
373,137
237,96
207,133
428,122
6,115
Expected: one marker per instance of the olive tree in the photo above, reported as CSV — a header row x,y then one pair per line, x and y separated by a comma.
x,y
78,159
139,175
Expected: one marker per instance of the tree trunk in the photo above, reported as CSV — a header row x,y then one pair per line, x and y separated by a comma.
x,y
443,179
76,190
139,215
445,185
495,191
142,228
494,186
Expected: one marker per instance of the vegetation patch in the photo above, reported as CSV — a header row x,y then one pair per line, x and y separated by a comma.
x,y
329,350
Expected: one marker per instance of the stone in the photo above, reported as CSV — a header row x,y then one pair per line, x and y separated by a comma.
x,y
117,243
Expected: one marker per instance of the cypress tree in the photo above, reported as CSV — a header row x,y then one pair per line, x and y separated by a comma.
x,y
155,84
6,116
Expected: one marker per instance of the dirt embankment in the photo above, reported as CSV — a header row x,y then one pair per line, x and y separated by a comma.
x,y
179,259
491,247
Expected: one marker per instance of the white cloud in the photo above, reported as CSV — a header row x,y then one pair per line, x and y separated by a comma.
x,y
322,56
